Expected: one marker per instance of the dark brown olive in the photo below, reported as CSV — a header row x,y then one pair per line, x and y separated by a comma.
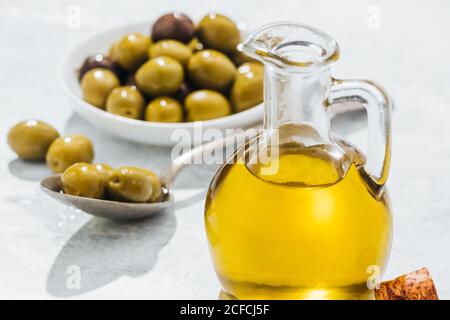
x,y
100,61
176,26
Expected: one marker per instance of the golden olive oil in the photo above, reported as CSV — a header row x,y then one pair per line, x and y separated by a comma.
x,y
312,230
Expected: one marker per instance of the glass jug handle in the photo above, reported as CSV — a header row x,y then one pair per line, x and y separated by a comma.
x,y
378,106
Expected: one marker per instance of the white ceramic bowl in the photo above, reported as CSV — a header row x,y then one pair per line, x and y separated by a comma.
x,y
135,130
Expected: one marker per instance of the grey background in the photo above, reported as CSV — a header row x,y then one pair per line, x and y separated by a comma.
x,y
167,256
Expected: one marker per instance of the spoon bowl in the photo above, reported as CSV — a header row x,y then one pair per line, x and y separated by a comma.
x,y
125,210
104,208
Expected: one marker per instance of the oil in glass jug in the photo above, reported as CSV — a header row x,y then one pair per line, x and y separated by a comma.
x,y
298,212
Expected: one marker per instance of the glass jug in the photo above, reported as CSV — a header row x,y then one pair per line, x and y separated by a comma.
x,y
297,212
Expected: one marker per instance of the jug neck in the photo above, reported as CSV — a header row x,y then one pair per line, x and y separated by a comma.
x,y
297,78
297,98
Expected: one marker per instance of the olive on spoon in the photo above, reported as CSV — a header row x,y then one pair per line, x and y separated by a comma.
x,y
125,210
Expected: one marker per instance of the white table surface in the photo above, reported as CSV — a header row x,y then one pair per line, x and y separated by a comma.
x,y
166,257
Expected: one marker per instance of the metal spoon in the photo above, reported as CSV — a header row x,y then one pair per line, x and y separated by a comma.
x,y
127,211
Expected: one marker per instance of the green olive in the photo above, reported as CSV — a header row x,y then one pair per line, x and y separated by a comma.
x,y
170,48
103,169
206,105
164,109
96,85
211,69
156,185
83,180
247,90
31,139
68,150
126,101
133,184
219,32
240,58
131,51
195,45
160,76
113,50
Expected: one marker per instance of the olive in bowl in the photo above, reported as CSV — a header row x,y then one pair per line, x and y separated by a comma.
x,y
68,150
172,66
211,69
219,32
164,109
31,139
113,51
131,184
175,26
195,45
83,180
205,105
131,51
100,61
170,48
247,90
239,58
96,85
125,101
160,76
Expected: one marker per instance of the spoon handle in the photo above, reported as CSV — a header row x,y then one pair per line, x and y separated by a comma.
x,y
169,174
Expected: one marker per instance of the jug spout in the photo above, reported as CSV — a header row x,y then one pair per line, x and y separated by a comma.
x,y
292,46
297,78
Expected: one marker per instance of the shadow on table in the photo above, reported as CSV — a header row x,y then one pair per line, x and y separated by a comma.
x,y
28,170
104,250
